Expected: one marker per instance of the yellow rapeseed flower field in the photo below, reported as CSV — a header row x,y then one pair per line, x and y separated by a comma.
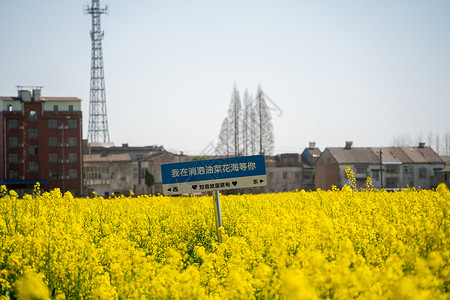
x,y
336,244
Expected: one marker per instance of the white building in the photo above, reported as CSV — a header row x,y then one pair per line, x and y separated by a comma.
x,y
108,174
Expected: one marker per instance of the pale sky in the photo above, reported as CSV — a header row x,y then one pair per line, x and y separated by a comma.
x,y
363,71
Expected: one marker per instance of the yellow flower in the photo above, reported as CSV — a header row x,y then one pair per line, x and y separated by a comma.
x,y
31,286
340,244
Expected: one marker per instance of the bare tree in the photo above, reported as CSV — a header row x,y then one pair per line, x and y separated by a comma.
x,y
402,140
430,138
419,139
447,142
253,129
223,147
437,143
249,130
246,123
234,119
264,121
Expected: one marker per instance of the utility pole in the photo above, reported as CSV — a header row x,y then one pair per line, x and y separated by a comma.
x,y
98,123
381,168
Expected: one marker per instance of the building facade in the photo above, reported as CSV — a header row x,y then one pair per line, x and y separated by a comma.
x,y
390,168
108,175
41,142
115,170
147,176
284,173
310,156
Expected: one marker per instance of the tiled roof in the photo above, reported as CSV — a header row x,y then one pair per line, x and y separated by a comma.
x,y
446,158
389,154
354,155
425,154
106,158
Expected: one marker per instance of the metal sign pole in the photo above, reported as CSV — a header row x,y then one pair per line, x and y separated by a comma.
x,y
216,198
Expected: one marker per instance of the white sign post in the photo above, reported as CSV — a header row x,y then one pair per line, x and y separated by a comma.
x,y
216,198
214,175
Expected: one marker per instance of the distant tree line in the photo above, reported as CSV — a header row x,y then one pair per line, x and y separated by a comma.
x,y
439,143
248,129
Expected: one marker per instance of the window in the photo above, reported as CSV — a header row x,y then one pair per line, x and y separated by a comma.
x,y
423,173
123,176
55,107
53,141
13,174
392,169
72,123
87,173
53,157
297,175
360,169
376,175
408,169
73,141
10,108
105,173
13,124
392,183
52,124
91,173
33,166
32,115
13,141
73,173
307,174
285,175
73,157
13,158
33,133
33,150
53,174
70,107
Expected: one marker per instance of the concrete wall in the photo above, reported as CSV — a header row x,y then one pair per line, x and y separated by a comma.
x,y
153,165
16,105
62,105
115,177
281,179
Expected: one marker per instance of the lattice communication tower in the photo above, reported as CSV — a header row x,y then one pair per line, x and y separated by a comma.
x,y
98,122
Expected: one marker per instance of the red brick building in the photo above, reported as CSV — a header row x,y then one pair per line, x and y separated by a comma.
x,y
41,141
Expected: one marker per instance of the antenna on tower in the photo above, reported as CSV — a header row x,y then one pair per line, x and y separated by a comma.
x,y
98,122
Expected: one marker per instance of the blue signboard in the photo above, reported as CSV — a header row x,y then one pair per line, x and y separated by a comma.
x,y
214,174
